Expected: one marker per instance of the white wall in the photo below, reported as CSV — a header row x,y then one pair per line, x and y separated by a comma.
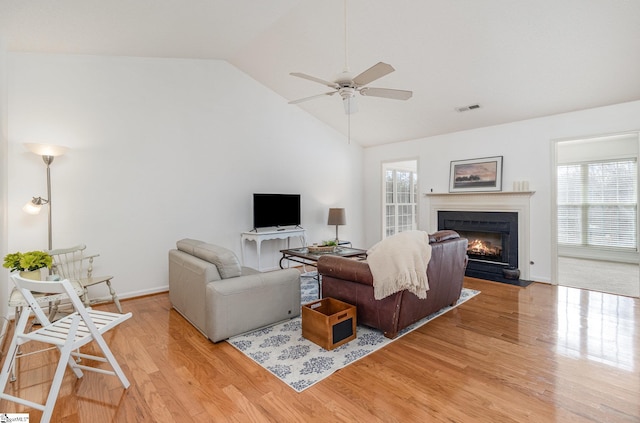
x,y
162,149
3,179
526,148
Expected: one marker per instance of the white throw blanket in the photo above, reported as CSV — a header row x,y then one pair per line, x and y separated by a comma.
x,y
400,262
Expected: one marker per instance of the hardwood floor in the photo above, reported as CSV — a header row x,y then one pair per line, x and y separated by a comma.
x,y
536,354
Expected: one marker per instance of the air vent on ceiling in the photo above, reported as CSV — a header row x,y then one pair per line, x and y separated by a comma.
x,y
467,108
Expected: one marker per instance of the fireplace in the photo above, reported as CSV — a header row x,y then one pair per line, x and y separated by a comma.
x,y
518,203
493,242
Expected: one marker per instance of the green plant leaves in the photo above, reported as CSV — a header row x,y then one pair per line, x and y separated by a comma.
x,y
31,260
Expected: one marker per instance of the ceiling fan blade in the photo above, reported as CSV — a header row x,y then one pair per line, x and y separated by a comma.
x,y
387,93
314,79
312,97
376,71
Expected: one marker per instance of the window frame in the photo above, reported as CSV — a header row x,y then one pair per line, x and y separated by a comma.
x,y
395,167
585,248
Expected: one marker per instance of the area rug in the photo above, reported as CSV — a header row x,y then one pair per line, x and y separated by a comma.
x,y
300,363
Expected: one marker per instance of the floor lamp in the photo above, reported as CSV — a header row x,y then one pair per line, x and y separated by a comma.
x,y
48,152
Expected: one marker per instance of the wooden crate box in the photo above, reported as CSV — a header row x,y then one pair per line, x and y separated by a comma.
x,y
329,322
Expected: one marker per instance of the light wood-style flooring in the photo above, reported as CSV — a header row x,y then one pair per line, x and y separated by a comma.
x,y
537,354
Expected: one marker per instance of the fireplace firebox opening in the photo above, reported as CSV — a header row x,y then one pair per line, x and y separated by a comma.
x,y
485,246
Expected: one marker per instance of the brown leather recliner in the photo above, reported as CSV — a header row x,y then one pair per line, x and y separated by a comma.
x,y
351,281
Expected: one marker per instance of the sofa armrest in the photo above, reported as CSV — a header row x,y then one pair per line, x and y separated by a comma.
x,y
188,278
345,269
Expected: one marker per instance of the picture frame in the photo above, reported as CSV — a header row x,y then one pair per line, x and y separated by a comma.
x,y
476,175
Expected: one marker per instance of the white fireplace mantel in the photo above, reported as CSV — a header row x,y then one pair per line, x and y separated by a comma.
x,y
499,201
482,194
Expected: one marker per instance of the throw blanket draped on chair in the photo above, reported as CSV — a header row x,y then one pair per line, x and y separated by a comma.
x,y
400,262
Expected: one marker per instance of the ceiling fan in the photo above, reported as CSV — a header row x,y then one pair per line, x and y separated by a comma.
x,y
347,85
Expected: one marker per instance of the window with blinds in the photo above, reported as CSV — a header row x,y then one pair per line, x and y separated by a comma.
x,y
400,200
597,204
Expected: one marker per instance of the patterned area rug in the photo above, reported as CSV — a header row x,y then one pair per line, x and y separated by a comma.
x,y
300,363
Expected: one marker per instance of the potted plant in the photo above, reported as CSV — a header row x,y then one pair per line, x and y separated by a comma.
x,y
28,264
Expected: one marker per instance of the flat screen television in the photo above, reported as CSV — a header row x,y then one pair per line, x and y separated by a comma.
x,y
276,210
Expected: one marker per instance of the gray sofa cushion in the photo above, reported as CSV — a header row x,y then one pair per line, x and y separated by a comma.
x,y
224,259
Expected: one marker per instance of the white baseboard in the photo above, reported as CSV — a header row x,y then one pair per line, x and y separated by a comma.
x,y
132,294
541,279
122,296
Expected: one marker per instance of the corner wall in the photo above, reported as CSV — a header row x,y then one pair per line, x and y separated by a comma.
x,y
165,149
4,280
526,148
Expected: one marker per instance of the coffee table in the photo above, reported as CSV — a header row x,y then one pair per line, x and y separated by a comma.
x,y
302,255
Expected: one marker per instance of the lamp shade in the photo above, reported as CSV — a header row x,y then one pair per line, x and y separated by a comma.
x,y
337,217
33,206
46,149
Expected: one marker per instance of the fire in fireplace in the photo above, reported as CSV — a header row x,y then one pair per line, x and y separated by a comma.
x,y
484,245
493,241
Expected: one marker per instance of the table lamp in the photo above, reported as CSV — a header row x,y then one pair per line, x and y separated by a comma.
x,y
337,217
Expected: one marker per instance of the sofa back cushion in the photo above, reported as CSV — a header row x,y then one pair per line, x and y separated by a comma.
x,y
443,235
224,259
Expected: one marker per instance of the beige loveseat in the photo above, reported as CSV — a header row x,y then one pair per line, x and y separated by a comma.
x,y
221,298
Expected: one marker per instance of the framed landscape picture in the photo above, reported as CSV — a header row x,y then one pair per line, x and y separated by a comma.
x,y
484,174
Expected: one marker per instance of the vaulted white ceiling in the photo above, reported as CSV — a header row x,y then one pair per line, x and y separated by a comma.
x,y
517,59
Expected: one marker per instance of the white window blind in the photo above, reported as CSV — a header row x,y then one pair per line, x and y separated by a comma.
x,y
597,204
400,193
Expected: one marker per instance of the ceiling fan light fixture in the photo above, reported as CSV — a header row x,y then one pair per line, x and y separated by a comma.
x,y
350,105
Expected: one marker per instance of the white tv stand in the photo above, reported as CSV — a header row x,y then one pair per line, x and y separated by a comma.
x,y
259,236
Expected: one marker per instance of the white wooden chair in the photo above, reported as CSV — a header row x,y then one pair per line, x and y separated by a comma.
x,y
72,264
51,301
67,334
